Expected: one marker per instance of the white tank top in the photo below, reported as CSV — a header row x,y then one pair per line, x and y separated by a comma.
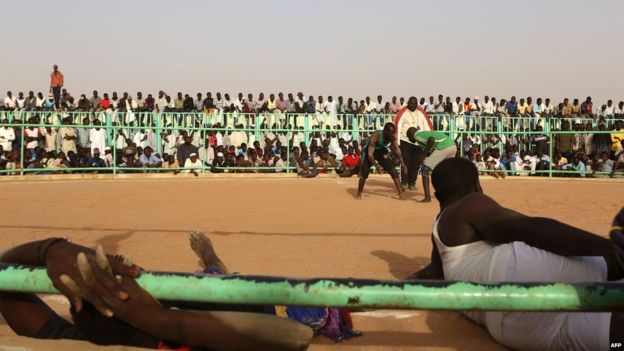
x,y
477,262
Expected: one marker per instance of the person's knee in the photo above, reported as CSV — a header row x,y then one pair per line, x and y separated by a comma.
x,y
425,171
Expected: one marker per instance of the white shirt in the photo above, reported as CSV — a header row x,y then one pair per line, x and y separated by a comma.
x,y
609,110
371,106
34,133
237,138
487,107
10,102
161,104
410,119
7,135
97,139
138,139
39,102
188,163
321,106
330,107
50,140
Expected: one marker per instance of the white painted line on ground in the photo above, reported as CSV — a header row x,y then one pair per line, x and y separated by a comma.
x,y
387,314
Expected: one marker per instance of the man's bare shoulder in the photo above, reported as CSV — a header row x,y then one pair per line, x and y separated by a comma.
x,y
472,203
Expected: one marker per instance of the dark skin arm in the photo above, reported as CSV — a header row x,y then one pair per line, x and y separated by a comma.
x,y
397,153
217,330
27,313
371,151
465,222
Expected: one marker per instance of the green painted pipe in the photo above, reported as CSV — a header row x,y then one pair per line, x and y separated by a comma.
x,y
425,295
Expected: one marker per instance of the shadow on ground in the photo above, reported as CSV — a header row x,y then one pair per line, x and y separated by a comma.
x,y
401,266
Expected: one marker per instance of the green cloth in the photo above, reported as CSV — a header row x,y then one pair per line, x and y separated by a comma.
x,y
442,141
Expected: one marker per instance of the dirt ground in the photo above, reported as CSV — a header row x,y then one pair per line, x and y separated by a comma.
x,y
288,226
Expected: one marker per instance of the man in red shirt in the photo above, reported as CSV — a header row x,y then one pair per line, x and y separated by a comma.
x,y
56,83
350,163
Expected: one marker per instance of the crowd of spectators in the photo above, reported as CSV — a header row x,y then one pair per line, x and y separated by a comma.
x,y
503,137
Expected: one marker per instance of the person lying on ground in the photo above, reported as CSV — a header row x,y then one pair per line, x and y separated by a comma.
x,y
476,239
107,311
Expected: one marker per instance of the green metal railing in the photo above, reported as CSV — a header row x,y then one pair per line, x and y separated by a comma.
x,y
352,126
360,293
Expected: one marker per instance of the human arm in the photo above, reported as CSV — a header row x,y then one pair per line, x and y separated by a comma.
x,y
217,330
26,313
371,152
502,225
397,153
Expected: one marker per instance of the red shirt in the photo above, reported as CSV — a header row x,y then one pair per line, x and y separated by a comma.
x,y
105,103
350,161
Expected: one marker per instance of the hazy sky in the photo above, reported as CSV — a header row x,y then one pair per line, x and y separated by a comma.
x,y
352,48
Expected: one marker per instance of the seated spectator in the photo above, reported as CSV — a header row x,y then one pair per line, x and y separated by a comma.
x,y
218,163
577,166
191,165
300,161
149,160
170,163
96,160
492,163
267,161
350,164
508,162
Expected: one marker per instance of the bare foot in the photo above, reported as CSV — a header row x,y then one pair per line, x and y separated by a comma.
x,y
202,246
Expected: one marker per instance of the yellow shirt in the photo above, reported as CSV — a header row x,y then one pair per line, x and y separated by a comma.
x,y
272,105
616,139
522,109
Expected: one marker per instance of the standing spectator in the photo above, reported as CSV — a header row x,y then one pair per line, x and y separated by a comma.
x,y
50,136
601,141
68,137
83,134
97,137
395,106
564,142
7,136
57,81
32,136
410,117
617,136
185,150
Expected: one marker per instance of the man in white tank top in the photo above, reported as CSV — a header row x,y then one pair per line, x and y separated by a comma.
x,y
476,239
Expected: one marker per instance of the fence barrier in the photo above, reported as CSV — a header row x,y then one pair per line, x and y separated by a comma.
x,y
489,131
360,293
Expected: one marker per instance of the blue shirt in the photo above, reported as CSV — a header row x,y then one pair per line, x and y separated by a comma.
x,y
96,162
512,106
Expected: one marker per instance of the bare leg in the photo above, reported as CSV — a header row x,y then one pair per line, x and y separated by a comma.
x,y
425,181
397,185
202,246
361,187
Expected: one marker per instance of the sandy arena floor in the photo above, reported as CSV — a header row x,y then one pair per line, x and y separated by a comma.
x,y
288,226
